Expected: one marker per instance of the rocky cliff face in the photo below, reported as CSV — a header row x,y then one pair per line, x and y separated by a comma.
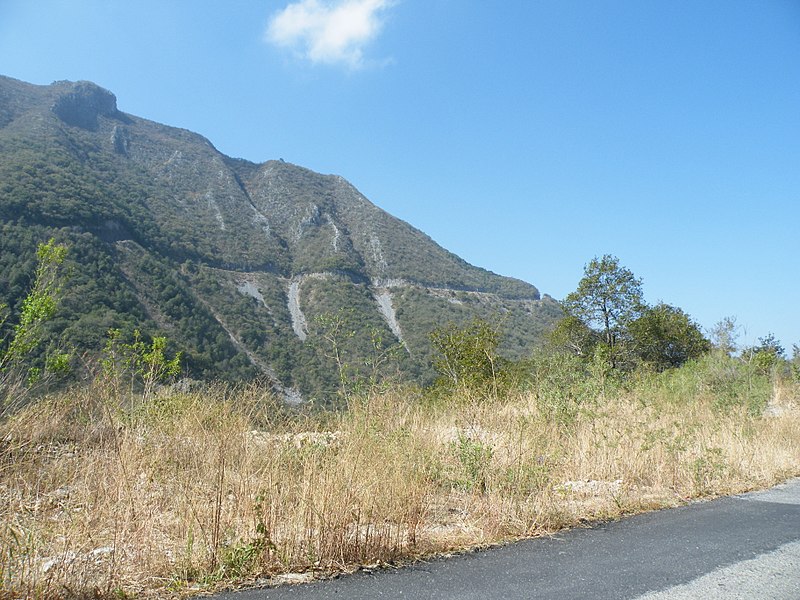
x,y
243,265
81,103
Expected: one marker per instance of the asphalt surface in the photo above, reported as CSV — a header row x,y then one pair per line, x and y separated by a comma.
x,y
744,546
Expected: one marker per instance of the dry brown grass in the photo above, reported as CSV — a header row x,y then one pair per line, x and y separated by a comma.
x,y
193,491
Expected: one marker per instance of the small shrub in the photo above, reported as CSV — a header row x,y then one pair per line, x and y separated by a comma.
x,y
561,383
474,458
242,558
707,468
138,363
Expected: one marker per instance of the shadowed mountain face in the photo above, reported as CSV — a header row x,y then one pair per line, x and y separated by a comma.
x,y
251,269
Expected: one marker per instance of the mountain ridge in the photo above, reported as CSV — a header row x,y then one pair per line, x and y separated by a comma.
x,y
139,197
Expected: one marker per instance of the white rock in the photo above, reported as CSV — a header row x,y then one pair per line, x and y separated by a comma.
x,y
292,578
590,487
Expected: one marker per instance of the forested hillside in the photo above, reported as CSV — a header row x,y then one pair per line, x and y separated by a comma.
x,y
251,270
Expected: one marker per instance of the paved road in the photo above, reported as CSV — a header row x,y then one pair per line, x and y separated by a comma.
x,y
744,546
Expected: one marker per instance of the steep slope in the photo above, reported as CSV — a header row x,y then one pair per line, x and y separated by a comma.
x,y
250,268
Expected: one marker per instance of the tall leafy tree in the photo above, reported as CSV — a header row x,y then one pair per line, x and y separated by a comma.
x,y
724,335
608,299
665,337
767,354
771,345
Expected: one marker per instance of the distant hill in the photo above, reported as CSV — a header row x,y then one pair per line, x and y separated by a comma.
x,y
248,268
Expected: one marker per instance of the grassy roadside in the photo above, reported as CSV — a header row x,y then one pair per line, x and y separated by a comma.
x,y
101,498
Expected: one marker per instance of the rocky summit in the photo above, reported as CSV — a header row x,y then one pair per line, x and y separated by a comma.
x,y
252,270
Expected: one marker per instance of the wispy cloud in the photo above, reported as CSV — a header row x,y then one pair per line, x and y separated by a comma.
x,y
328,32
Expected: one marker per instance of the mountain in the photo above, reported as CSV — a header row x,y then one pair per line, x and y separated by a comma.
x,y
266,270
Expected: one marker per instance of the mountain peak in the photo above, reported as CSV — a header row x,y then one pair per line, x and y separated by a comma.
x,y
80,103
241,265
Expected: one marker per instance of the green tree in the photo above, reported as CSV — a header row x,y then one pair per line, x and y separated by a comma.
x,y
665,337
771,345
766,355
139,361
17,366
572,335
724,335
467,356
334,331
608,299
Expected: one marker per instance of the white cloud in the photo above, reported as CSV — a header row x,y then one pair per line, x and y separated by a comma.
x,y
327,32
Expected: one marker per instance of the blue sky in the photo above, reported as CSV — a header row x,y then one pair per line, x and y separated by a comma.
x,y
526,136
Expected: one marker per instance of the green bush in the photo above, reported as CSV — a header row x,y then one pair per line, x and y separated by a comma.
x,y
20,367
474,458
730,383
467,359
561,383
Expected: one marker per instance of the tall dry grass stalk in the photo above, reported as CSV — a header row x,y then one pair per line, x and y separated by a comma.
x,y
191,491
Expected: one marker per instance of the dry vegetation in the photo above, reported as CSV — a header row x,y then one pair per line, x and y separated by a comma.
x,y
185,492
